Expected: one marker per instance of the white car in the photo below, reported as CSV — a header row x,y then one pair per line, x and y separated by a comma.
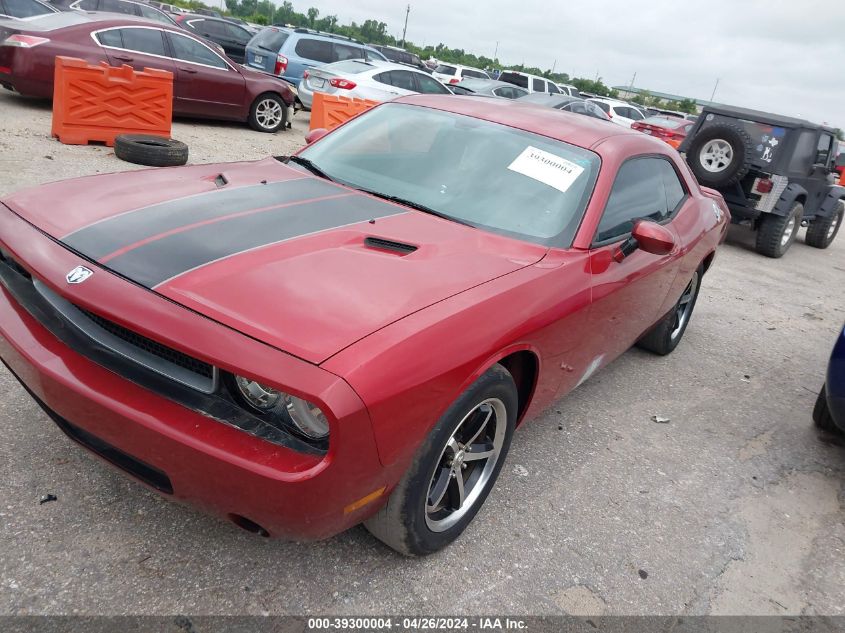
x,y
454,73
621,113
568,89
531,83
361,79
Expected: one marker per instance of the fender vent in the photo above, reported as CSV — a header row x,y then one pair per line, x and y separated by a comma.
x,y
389,245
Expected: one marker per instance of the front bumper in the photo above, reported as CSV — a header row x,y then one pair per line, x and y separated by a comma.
x,y
178,451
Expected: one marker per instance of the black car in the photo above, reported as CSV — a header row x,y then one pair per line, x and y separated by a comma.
x,y
566,103
232,37
401,56
775,172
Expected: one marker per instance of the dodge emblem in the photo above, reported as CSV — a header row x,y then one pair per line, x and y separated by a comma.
x,y
78,275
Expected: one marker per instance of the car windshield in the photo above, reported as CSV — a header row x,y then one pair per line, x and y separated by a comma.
x,y
269,39
476,172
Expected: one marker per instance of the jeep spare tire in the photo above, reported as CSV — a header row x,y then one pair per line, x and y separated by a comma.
x,y
720,155
147,149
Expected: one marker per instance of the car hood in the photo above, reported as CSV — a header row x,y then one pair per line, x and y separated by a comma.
x,y
298,262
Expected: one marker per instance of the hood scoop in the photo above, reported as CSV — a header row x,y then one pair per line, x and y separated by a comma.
x,y
381,244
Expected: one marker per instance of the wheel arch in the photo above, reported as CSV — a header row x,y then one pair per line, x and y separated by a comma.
x,y
523,364
792,194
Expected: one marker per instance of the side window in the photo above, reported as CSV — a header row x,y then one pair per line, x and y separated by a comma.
x,y
538,85
212,27
236,33
343,52
622,111
635,114
23,8
603,106
823,149
87,5
403,79
152,14
316,50
554,89
675,191
116,6
110,38
383,78
427,85
638,192
147,41
189,50
371,56
519,92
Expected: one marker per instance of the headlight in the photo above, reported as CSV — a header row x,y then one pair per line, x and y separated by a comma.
x,y
305,416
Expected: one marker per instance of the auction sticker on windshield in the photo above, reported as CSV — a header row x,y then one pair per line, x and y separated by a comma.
x,y
547,168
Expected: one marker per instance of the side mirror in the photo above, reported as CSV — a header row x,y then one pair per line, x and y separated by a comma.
x,y
653,238
315,135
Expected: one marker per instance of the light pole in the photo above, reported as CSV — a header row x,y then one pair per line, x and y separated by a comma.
x,y
405,30
496,52
714,90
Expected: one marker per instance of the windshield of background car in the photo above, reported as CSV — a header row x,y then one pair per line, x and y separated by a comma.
x,y
514,78
269,39
488,175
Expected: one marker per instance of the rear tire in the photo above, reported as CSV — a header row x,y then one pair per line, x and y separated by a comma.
x,y
150,150
776,233
429,508
268,113
665,336
821,414
822,231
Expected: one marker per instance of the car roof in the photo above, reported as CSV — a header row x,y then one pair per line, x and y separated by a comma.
x,y
577,130
763,117
48,21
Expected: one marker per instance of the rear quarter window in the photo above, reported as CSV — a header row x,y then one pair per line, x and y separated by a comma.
x,y
316,50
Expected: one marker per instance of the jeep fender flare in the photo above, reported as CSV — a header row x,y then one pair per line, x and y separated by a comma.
x,y
834,194
784,204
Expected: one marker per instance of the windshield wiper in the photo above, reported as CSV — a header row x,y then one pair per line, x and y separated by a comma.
x,y
414,205
310,166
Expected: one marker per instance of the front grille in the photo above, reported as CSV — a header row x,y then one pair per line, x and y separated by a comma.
x,y
148,345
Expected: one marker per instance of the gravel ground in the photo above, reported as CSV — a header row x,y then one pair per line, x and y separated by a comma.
x,y
733,506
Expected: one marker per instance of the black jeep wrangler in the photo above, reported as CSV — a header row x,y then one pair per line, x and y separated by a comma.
x,y
776,173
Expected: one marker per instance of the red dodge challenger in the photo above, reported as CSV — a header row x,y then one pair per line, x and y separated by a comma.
x,y
353,333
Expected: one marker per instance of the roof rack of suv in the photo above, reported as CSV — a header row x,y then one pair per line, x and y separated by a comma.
x,y
302,29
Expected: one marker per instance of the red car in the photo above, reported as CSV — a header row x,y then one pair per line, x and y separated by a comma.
x,y
205,83
669,129
351,334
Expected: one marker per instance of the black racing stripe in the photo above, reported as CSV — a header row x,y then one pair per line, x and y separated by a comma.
x,y
107,236
160,260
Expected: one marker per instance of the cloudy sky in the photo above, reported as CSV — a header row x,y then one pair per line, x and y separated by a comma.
x,y
775,55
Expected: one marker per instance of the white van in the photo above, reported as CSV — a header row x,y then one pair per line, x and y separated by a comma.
x,y
454,73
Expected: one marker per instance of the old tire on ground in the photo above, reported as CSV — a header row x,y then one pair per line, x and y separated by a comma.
x,y
821,414
720,155
776,233
822,231
154,151
447,484
268,113
667,333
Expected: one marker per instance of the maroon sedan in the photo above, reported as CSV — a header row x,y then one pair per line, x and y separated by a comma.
x,y
205,83
669,129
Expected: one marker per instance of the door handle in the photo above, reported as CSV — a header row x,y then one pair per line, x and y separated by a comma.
x,y
188,70
124,58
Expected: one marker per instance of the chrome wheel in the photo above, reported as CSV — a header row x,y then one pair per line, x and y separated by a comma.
x,y
716,155
788,231
684,307
466,464
833,224
268,114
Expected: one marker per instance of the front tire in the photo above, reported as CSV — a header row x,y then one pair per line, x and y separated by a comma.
x,y
665,336
268,113
822,231
776,233
453,471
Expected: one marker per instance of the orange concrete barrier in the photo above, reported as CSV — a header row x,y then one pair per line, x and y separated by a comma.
x,y
328,111
98,102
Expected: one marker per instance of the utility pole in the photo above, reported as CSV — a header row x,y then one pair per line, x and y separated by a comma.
x,y
714,91
553,67
405,30
631,87
496,52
